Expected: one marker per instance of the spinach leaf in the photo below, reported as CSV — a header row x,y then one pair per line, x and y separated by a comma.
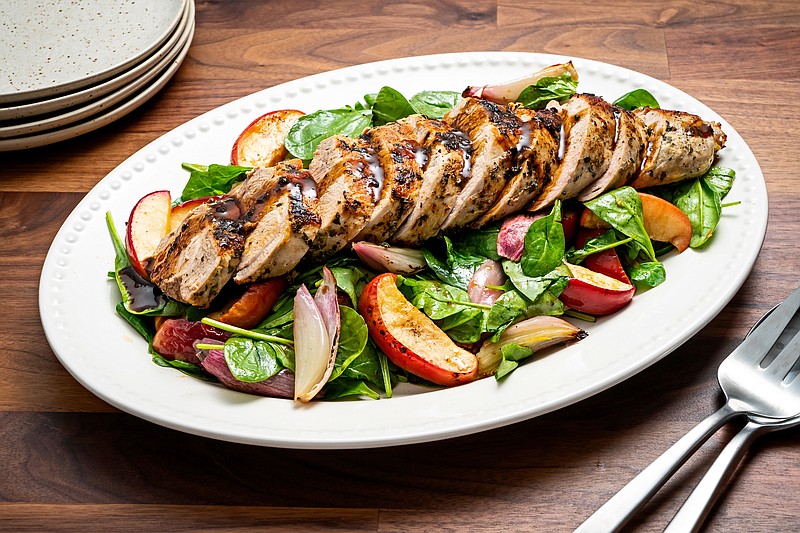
x,y
481,242
622,208
352,340
434,104
720,180
214,181
648,274
351,280
507,309
544,244
703,207
635,99
465,327
458,268
344,387
533,288
251,360
512,354
606,241
189,369
390,105
365,367
137,322
435,299
538,95
306,134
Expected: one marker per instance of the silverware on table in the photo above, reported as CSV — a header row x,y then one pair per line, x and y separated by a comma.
x,y
754,385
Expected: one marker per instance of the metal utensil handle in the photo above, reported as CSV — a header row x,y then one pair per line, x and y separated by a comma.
x,y
695,509
616,512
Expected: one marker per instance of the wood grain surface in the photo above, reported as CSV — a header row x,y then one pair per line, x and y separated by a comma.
x,y
70,462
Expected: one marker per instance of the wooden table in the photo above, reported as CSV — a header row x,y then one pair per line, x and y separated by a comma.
x,y
70,462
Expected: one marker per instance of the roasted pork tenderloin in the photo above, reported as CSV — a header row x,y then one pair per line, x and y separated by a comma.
x,y
447,168
349,180
535,161
279,206
400,158
679,146
494,132
626,157
199,257
588,147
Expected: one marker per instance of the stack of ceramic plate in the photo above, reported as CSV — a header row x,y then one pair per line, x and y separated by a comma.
x,y
71,67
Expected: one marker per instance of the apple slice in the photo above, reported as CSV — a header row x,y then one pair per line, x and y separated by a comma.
x,y
251,307
182,210
410,339
594,293
663,221
261,143
606,262
147,225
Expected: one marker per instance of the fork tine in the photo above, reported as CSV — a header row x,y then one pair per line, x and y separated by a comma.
x,y
786,358
753,348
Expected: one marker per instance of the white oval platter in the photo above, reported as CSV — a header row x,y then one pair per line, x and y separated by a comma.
x,y
109,359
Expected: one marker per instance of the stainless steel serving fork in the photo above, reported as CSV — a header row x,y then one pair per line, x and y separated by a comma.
x,y
755,384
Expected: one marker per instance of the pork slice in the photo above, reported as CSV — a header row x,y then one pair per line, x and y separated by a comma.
x,y
628,150
199,257
400,157
347,177
494,132
281,223
588,147
535,161
679,146
449,153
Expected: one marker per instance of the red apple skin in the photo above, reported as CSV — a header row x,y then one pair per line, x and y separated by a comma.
x,y
569,221
250,308
180,211
595,294
148,223
606,262
427,341
261,143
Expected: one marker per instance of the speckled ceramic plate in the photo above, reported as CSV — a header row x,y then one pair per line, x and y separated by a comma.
x,y
143,71
51,47
105,355
55,121
105,115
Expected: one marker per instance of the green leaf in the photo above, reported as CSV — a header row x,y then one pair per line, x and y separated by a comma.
x,y
479,243
702,205
622,208
215,181
648,274
533,288
434,104
352,340
509,307
189,369
350,280
606,241
544,244
512,354
390,105
342,388
720,180
546,89
635,99
458,268
306,134
142,326
251,360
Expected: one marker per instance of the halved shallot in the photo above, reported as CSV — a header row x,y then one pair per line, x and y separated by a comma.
x,y
281,385
504,93
392,259
535,333
316,337
489,274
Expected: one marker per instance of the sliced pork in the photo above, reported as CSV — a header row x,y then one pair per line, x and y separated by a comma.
x,y
448,166
679,146
199,257
348,180
535,161
280,222
400,157
588,147
494,132
626,158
